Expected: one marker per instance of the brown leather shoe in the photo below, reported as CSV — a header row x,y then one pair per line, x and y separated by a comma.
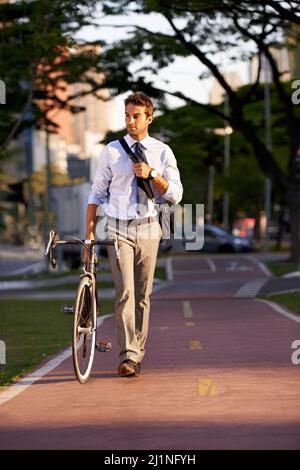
x,y
127,368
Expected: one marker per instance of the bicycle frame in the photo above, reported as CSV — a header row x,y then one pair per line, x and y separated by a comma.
x,y
88,278
92,261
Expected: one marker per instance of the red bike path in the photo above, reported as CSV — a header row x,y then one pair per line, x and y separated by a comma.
x,y
217,374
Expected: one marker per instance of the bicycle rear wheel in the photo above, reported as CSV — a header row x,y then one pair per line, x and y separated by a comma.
x,y
84,329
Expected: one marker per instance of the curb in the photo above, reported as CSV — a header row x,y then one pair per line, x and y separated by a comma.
x,y
279,309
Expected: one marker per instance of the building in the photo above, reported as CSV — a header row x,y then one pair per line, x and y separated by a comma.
x,y
84,131
293,43
282,60
216,95
78,135
287,58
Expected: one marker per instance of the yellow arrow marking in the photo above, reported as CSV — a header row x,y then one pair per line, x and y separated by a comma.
x,y
189,323
206,388
195,344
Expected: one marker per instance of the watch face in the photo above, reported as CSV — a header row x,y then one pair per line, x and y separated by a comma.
x,y
153,174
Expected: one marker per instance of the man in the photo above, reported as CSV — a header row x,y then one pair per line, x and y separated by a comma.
x,y
132,216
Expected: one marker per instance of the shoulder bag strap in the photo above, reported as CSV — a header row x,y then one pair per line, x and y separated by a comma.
x,y
134,159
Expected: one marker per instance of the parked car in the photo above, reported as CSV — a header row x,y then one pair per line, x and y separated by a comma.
x,y
218,240
244,227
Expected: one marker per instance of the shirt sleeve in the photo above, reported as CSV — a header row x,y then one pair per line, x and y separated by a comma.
x,y
171,174
99,190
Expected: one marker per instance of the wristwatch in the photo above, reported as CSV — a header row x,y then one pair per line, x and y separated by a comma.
x,y
153,174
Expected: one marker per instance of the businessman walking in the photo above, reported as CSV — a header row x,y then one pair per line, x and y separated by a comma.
x,y
132,176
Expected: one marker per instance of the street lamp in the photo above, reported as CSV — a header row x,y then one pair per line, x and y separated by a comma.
x,y
268,142
210,194
226,163
225,131
47,197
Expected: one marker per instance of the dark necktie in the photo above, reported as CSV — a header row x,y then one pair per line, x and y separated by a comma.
x,y
142,195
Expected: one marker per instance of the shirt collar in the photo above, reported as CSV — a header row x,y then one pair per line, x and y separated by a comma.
x,y
145,142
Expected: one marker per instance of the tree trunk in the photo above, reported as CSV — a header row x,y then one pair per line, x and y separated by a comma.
x,y
293,198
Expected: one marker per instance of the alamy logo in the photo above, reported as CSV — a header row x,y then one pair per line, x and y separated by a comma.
x,y
175,221
2,354
296,354
296,93
2,92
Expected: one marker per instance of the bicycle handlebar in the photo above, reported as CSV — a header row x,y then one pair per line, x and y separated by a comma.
x,y
54,241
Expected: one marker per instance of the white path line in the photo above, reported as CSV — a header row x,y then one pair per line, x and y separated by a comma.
x,y
169,269
192,271
261,266
291,275
30,268
25,382
160,286
250,289
285,291
187,309
211,264
280,309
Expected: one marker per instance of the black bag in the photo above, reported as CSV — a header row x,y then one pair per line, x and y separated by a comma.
x,y
163,207
145,182
166,219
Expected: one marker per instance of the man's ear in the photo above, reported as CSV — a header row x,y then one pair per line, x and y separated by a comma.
x,y
150,119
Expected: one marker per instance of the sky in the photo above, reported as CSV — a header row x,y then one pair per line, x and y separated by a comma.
x,y
182,75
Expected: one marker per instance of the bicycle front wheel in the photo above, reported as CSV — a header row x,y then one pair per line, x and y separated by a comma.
x,y
84,329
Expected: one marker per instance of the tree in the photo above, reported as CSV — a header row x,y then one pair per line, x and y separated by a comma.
x,y
290,14
200,29
190,131
38,57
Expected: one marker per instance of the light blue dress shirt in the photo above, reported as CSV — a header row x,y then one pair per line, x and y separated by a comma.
x,y
115,184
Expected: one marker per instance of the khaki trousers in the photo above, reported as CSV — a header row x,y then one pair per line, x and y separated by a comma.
x,y
138,245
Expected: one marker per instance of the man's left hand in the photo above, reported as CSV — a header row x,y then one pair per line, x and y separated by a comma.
x,y
142,170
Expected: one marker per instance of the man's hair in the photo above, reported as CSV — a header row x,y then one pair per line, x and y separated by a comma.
x,y
140,99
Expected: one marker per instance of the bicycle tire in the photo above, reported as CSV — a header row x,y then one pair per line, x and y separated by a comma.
x,y
84,329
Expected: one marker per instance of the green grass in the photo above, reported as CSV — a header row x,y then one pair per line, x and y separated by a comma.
x,y
73,286
41,275
279,268
33,330
160,273
291,301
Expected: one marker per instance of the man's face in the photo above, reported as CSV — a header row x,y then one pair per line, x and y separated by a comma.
x,y
136,120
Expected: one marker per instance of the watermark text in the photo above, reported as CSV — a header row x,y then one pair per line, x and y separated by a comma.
x,y
2,92
296,93
295,358
2,354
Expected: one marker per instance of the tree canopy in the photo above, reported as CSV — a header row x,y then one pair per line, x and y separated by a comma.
x,y
203,30
36,34
38,57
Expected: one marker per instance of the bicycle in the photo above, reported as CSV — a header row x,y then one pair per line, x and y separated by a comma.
x,y
86,306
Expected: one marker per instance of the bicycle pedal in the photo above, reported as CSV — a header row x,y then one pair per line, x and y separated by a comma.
x,y
103,346
67,309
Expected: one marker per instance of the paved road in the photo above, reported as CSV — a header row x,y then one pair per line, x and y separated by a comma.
x,y
218,374
20,260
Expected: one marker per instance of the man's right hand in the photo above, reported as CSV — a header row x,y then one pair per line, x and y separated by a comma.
x,y
91,220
